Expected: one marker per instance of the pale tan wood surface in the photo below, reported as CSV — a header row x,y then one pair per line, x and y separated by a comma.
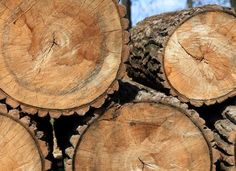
x,y
190,52
19,150
200,60
59,54
143,136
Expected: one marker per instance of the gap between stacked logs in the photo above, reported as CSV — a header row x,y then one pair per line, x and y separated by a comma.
x,y
61,57
190,52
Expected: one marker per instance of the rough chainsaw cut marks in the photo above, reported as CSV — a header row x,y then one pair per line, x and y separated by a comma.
x,y
59,54
199,59
137,137
18,148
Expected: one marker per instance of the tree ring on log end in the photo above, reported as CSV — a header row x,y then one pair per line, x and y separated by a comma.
x,y
200,56
143,136
19,150
59,54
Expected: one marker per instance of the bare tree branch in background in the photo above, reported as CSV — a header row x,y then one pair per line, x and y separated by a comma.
x,y
190,3
127,3
233,4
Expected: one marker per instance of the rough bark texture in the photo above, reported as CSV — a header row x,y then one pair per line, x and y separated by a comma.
x,y
136,147
225,138
61,57
21,144
172,50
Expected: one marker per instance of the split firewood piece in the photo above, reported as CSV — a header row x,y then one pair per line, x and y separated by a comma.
x,y
144,136
61,55
20,148
226,138
191,52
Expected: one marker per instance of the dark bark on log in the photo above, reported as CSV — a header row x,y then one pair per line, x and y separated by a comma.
x,y
148,45
225,138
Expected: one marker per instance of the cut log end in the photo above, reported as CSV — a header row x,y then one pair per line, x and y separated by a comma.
x,y
19,150
60,55
199,59
137,137
191,52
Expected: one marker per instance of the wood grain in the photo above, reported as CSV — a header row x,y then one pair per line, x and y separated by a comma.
x,y
199,57
59,54
19,150
190,52
143,136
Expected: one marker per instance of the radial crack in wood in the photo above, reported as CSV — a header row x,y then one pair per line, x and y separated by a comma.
x,y
192,52
140,136
60,54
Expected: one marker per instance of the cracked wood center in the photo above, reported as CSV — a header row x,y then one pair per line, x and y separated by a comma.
x,y
200,56
143,136
191,52
59,54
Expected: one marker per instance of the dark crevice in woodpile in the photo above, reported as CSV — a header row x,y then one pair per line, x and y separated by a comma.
x,y
65,127
126,94
44,125
213,113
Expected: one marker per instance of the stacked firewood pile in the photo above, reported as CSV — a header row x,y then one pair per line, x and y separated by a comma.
x,y
81,93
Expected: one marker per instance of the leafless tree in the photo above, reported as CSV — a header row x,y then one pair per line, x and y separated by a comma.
x,y
233,4
190,3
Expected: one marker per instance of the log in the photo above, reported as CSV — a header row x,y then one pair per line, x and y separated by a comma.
x,y
24,125
190,52
140,136
144,135
63,56
20,147
225,138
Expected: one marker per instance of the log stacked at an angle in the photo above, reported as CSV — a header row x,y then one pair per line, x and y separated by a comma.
x,y
61,57
191,52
